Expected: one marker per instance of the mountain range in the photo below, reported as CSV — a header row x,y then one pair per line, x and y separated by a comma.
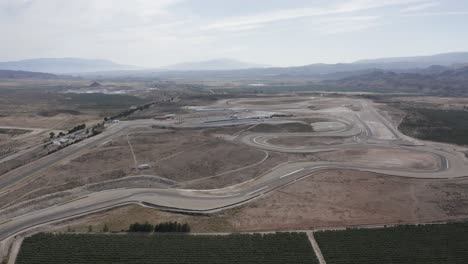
x,y
444,59
64,65
450,82
437,74
213,65
236,68
9,74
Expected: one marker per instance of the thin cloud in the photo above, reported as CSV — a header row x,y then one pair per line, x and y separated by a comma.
x,y
420,7
298,13
160,32
442,13
346,24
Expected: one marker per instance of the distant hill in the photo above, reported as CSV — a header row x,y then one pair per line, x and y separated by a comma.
x,y
8,74
213,65
444,59
449,82
235,70
459,74
64,65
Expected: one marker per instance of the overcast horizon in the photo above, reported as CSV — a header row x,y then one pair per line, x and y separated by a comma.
x,y
280,33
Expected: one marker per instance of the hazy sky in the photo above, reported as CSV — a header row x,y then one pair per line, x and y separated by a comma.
x,y
274,32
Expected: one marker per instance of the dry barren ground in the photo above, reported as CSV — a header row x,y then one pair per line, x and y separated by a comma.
x,y
189,155
212,158
59,121
94,166
238,175
434,101
274,101
308,141
387,158
190,158
327,199
283,128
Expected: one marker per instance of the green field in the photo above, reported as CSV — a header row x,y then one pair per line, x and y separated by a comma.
x,y
405,244
449,126
166,248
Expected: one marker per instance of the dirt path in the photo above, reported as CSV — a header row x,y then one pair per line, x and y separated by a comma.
x,y
15,250
316,248
133,152
415,202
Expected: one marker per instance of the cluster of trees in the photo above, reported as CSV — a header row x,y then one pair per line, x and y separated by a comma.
x,y
137,227
52,134
97,129
172,227
165,227
76,128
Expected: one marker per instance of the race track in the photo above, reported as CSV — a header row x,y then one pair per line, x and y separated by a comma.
x,y
364,129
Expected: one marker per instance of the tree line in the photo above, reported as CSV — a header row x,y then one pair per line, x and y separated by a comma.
x,y
165,227
128,112
76,128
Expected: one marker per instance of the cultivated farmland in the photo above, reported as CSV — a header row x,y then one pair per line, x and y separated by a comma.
x,y
404,244
168,248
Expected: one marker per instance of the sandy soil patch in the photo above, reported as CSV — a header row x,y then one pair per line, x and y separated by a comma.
x,y
308,141
388,158
295,127
60,121
94,166
273,101
214,157
434,101
328,126
238,176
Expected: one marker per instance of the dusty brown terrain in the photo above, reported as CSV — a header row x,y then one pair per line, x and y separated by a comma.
x,y
206,160
12,148
39,109
388,158
62,104
59,121
210,158
327,199
456,103
187,155
283,100
308,141
101,164
240,175
282,128
191,158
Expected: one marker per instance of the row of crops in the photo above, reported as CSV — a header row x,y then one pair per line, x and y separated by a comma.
x,y
166,248
449,126
404,244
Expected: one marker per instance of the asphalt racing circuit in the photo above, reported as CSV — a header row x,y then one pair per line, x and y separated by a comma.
x,y
352,124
